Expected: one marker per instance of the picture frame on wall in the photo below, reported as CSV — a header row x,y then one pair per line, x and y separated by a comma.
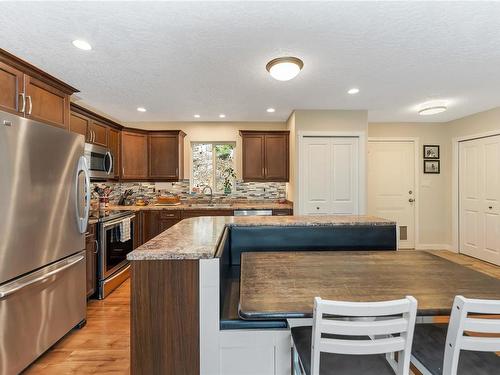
x,y
431,151
432,166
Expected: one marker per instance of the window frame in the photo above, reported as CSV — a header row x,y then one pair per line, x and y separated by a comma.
x,y
214,144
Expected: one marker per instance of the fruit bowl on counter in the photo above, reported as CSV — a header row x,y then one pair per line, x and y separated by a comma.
x,y
168,200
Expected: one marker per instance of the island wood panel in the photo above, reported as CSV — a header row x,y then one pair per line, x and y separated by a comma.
x,y
11,87
165,317
284,284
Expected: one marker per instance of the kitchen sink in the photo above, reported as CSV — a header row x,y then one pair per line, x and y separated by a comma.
x,y
211,205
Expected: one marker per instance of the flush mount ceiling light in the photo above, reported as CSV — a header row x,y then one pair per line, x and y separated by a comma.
x,y
270,110
353,91
82,44
284,68
432,108
141,109
222,115
196,116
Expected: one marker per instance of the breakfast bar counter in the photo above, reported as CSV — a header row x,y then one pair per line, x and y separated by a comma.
x,y
184,290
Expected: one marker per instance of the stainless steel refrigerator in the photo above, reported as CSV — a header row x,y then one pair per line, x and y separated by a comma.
x,y
44,202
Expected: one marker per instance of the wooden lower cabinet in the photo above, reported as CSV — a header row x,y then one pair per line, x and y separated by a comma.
x,y
283,212
91,255
197,213
156,221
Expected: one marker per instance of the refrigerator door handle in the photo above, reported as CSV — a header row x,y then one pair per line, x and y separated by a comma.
x,y
38,279
83,220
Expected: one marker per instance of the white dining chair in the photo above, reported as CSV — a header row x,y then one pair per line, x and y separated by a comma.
x,y
469,345
461,323
356,338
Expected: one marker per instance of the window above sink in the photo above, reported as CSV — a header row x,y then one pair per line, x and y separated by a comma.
x,y
210,162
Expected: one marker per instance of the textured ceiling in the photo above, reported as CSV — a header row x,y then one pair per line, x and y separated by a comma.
x,y
178,59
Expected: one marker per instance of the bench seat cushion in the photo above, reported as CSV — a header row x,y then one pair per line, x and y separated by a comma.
x,y
428,348
338,364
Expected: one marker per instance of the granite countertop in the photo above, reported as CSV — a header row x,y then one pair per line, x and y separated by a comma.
x,y
197,238
257,205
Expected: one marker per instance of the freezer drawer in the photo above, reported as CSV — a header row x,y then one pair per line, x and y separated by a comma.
x,y
38,309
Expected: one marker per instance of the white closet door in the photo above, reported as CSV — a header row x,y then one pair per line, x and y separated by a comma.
x,y
316,180
330,175
344,175
479,184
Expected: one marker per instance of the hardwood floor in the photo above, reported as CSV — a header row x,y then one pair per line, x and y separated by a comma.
x,y
103,345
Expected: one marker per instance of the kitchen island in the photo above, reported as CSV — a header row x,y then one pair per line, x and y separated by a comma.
x,y
185,287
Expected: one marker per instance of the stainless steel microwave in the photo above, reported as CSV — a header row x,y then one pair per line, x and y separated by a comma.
x,y
100,161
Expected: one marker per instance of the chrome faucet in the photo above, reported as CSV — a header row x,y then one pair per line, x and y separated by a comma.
x,y
211,192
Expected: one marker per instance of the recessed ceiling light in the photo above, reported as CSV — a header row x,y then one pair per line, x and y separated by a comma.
x,y
270,110
222,115
353,91
432,107
196,116
82,44
284,68
141,109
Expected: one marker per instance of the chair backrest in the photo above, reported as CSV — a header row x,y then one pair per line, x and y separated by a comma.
x,y
378,320
461,323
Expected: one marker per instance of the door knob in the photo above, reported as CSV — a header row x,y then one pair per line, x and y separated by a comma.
x,y
490,207
411,200
317,208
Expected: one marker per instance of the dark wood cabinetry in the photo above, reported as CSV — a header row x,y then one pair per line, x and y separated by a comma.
x,y
91,255
156,156
283,212
265,155
166,155
196,213
80,124
134,156
156,221
114,147
11,89
29,92
99,134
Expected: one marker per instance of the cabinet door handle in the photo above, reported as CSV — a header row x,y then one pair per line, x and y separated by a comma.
x,y
96,247
31,104
23,101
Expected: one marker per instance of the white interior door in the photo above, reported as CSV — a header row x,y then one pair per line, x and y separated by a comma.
x,y
479,194
391,186
330,175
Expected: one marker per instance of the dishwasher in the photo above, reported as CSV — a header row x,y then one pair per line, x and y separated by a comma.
x,y
253,212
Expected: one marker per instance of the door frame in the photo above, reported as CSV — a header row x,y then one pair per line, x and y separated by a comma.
x,y
455,188
362,154
416,146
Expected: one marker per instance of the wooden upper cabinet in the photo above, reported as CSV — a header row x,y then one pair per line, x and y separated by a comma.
x,y
114,147
166,155
265,155
32,93
134,155
46,103
253,157
99,134
11,89
80,124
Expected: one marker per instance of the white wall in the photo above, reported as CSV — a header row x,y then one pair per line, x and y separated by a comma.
x,y
209,132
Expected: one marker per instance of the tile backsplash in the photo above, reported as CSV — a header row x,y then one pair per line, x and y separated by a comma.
x,y
241,190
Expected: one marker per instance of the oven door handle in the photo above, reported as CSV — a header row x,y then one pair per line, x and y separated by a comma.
x,y
108,224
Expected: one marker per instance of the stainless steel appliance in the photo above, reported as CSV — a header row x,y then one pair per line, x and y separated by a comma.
x,y
44,197
253,212
100,162
112,265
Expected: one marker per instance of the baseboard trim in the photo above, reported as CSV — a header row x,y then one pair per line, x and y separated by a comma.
x,y
426,246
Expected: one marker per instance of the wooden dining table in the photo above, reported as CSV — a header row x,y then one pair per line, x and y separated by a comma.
x,y
280,285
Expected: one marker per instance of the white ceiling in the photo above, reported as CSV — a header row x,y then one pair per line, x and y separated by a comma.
x,y
178,59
